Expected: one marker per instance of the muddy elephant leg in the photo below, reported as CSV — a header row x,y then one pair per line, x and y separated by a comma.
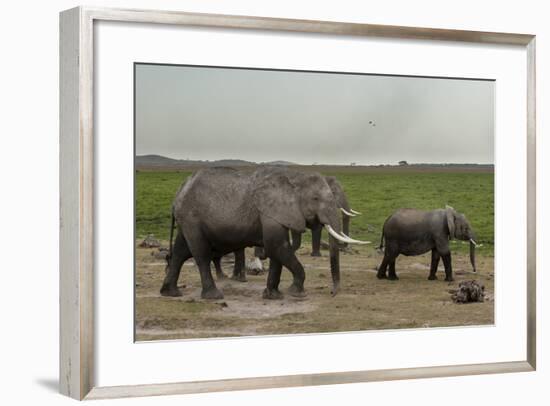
x,y
289,260
434,265
219,272
286,256
203,255
238,268
391,270
273,278
381,274
316,232
180,253
278,249
209,289
448,267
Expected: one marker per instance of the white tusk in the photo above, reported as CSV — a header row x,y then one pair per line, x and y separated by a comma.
x,y
351,240
473,242
355,211
347,213
335,234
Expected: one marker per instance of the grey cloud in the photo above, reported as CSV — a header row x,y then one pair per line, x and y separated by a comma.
x,y
303,117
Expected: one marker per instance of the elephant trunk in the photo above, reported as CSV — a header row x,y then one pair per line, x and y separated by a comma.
x,y
334,264
473,255
333,224
345,226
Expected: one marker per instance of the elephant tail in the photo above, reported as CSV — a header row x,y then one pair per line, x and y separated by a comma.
x,y
381,246
170,247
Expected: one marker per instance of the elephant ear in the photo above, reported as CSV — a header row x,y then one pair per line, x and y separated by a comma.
x,y
276,198
450,212
338,192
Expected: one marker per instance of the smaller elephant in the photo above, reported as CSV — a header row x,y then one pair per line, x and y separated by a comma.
x,y
415,232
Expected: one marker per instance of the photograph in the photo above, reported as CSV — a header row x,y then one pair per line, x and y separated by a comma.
x,y
275,202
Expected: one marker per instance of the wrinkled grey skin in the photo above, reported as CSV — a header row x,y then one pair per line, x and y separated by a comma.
x,y
316,230
415,232
221,210
315,226
238,268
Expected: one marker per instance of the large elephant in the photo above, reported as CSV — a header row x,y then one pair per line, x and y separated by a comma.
x,y
221,210
415,232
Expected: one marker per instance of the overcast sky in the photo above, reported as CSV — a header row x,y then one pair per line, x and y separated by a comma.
x,y
302,117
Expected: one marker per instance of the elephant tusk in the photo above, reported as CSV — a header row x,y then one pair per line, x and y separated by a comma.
x,y
354,241
473,242
347,213
343,237
335,234
350,240
355,211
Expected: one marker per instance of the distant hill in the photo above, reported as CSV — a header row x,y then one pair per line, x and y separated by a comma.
x,y
280,163
159,161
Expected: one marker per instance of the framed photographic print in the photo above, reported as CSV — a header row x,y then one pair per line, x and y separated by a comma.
x,y
252,202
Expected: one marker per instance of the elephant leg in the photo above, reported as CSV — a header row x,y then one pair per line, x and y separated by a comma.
x,y
381,274
259,252
316,232
434,265
209,289
202,253
448,267
180,253
219,272
289,260
296,240
238,268
391,270
273,279
278,248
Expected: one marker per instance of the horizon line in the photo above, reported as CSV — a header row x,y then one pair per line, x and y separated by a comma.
x,y
317,163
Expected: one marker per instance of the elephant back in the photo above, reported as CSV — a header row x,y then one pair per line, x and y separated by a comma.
x,y
212,193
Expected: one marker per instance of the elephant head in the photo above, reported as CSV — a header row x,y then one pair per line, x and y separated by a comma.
x,y
318,204
295,199
341,202
460,228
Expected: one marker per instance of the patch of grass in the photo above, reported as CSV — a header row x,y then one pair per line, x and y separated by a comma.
x,y
374,193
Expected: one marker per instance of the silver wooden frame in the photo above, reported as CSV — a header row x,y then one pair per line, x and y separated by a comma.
x,y
77,208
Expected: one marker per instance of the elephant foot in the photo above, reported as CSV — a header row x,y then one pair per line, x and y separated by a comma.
x,y
296,291
212,293
239,278
449,279
381,276
272,294
393,278
220,276
432,278
170,291
316,254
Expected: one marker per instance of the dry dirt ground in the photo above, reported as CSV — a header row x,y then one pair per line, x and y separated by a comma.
x,y
363,303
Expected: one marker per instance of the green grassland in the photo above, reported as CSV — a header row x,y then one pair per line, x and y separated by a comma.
x,y
375,193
